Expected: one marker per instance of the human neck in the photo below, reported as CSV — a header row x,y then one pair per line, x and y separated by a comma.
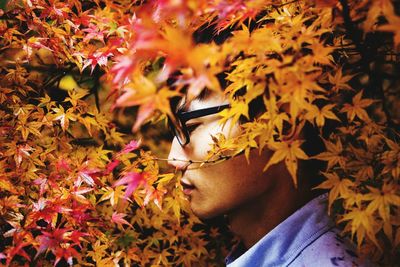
x,y
254,219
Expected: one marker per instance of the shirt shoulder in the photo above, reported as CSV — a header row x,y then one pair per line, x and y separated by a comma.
x,y
330,249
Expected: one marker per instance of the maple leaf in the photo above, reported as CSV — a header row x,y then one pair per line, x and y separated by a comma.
x,y
87,176
64,117
38,43
48,210
78,194
75,94
118,218
111,166
132,180
123,66
97,58
81,213
144,112
139,91
382,199
132,145
112,195
83,19
339,188
340,81
63,164
30,127
77,236
143,91
6,185
390,159
156,195
233,114
56,10
322,53
93,32
319,115
289,151
50,240
20,240
68,252
333,155
357,108
231,12
22,151
360,223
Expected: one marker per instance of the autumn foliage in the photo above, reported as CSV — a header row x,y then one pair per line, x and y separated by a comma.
x,y
77,76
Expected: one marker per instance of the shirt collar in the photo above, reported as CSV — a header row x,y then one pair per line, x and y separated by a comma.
x,y
285,242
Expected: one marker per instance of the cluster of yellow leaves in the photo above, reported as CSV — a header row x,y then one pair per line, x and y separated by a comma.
x,y
62,190
301,62
294,59
363,179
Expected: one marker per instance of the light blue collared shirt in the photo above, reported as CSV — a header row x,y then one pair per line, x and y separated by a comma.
x,y
307,238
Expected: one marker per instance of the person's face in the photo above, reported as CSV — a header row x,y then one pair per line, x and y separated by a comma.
x,y
215,189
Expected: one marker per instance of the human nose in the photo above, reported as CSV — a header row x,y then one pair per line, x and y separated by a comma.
x,y
177,156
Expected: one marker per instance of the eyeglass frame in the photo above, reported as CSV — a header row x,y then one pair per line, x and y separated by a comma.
x,y
184,116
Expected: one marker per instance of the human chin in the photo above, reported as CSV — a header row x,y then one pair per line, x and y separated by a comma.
x,y
202,202
203,210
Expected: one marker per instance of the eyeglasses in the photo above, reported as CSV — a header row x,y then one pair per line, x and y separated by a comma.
x,y
178,127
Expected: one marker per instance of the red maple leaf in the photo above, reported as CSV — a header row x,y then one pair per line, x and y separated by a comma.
x,y
81,213
132,180
130,147
18,248
118,218
83,19
97,58
93,32
111,166
67,253
89,176
47,210
77,236
62,164
124,66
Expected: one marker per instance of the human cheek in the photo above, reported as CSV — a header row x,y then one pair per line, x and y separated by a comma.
x,y
203,136
201,140
219,189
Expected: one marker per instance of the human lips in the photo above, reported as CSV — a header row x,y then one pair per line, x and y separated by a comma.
x,y
187,186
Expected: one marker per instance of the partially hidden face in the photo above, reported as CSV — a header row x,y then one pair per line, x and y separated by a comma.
x,y
216,189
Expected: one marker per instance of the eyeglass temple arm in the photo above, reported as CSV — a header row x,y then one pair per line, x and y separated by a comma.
x,y
186,115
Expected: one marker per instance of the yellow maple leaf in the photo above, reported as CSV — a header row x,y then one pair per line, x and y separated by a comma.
x,y
319,115
382,199
357,108
64,116
322,53
339,188
333,155
237,109
361,223
6,185
289,151
340,81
